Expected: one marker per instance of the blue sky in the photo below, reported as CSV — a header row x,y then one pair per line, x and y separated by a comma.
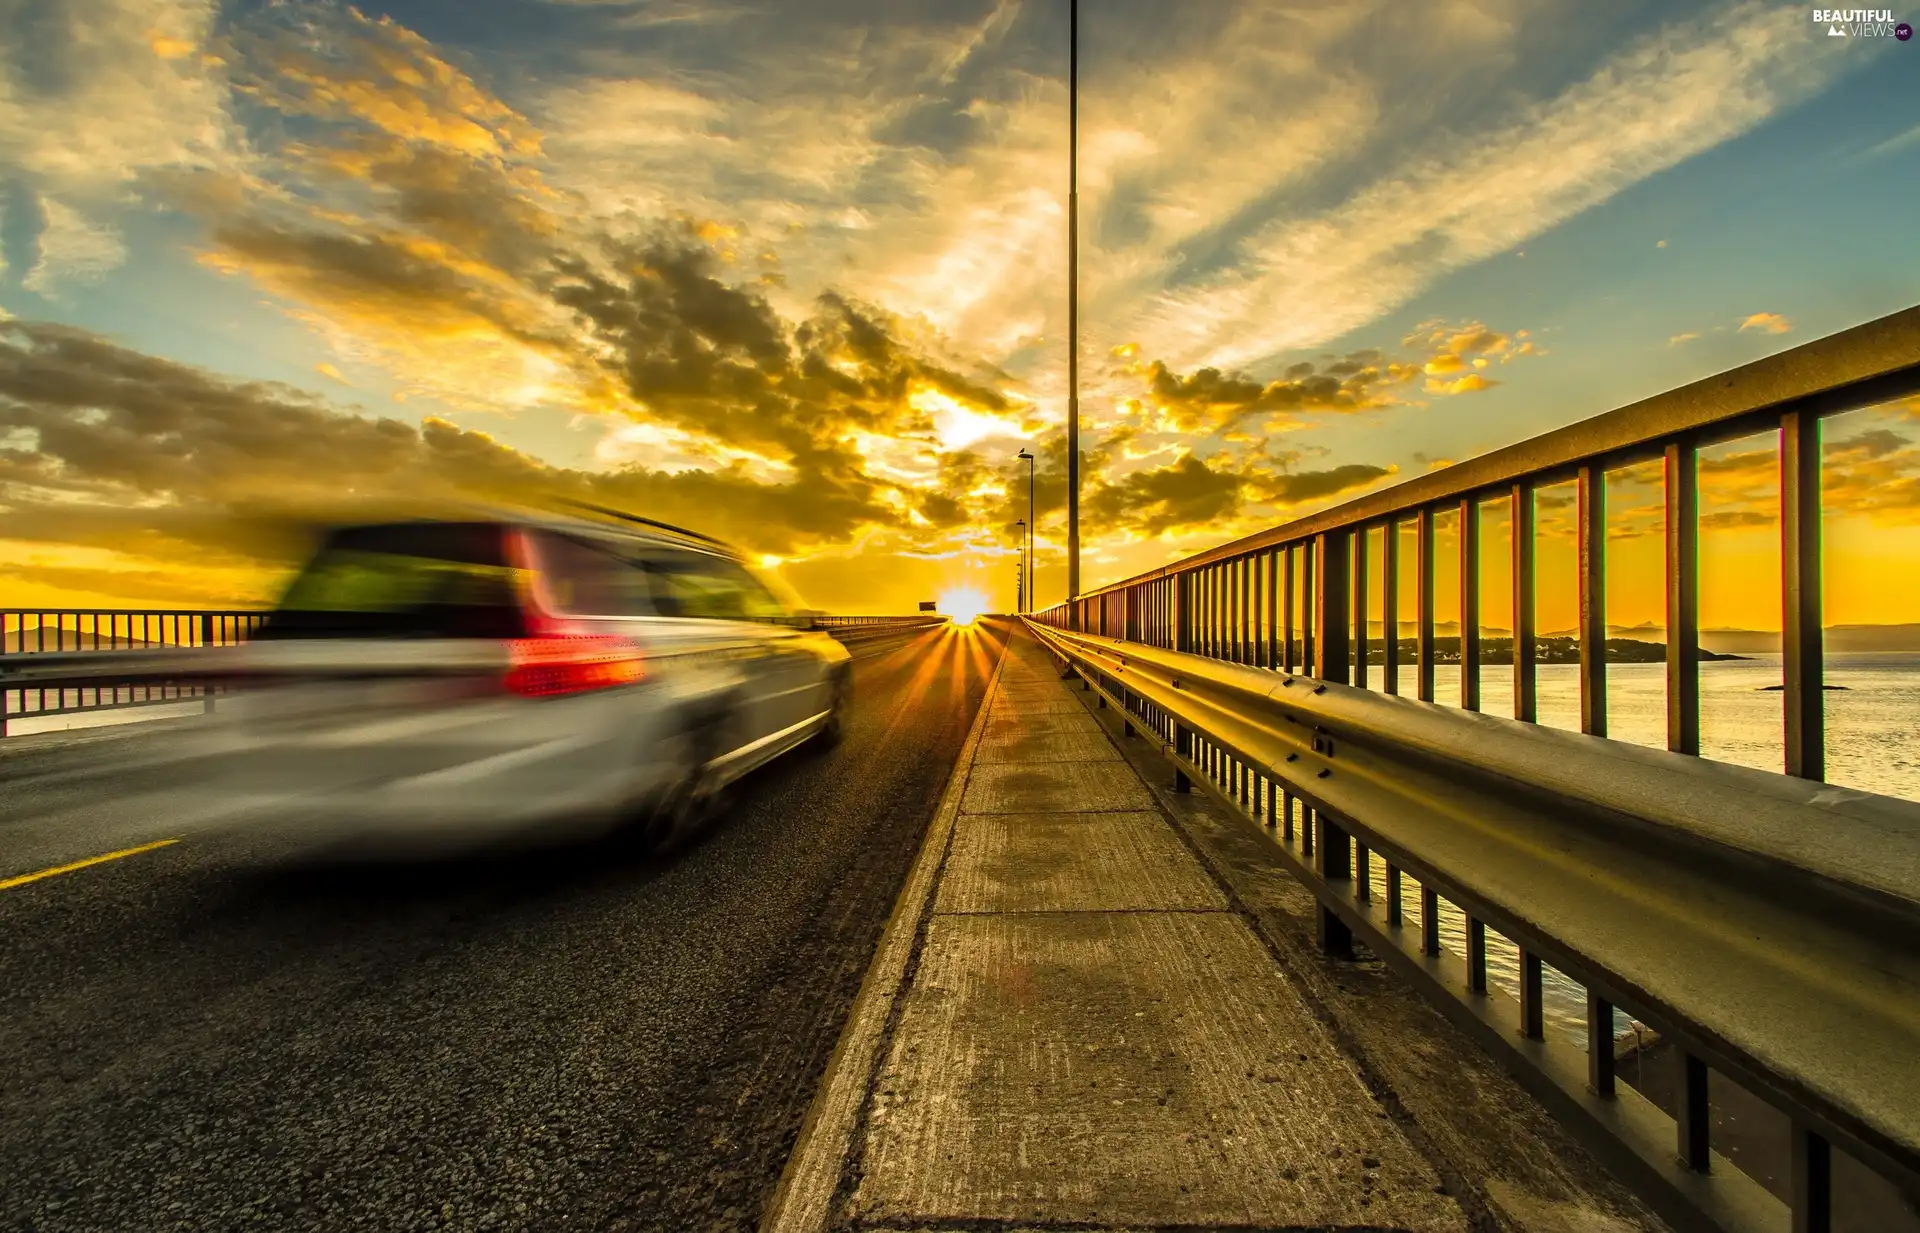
x,y
634,248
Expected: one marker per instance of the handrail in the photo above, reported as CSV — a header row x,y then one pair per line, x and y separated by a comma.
x,y
1298,594
1868,364
130,653
1763,922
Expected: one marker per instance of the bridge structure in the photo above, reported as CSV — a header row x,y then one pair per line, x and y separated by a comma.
x,y
1764,923
1085,1011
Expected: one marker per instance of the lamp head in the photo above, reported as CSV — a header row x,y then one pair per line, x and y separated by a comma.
x,y
1024,454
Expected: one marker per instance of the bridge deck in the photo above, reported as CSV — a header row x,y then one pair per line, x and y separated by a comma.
x,y
1087,1035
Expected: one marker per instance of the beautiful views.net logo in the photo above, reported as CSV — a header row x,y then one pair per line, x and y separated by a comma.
x,y
1862,24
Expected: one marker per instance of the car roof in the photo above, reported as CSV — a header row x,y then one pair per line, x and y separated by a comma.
x,y
638,533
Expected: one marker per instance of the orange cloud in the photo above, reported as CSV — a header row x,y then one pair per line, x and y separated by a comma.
x,y
1769,323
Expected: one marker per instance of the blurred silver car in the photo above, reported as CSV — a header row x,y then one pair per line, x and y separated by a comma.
x,y
426,685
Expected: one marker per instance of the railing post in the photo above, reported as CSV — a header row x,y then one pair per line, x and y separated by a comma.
x,y
1286,606
1360,534
1802,646
1330,598
1182,597
1470,603
1811,1183
1390,608
1592,535
1683,598
1525,687
1423,650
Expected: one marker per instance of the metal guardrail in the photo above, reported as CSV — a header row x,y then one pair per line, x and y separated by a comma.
x,y
69,661
877,622
107,631
1534,844
1295,597
1762,922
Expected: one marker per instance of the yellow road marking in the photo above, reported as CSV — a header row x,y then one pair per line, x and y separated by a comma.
x,y
23,879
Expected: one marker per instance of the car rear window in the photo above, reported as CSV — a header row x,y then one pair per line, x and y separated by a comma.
x,y
404,580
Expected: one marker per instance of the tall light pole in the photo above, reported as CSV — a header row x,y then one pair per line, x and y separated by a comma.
x,y
1020,600
1029,524
1073,299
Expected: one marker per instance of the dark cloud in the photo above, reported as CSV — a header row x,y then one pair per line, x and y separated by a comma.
x,y
1300,487
111,448
1184,495
1211,400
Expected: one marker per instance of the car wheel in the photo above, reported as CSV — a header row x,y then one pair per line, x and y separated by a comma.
x,y
835,728
694,795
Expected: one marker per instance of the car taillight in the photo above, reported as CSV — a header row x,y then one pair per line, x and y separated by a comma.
x,y
563,664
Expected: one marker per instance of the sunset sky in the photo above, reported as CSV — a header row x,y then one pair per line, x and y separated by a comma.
x,y
794,273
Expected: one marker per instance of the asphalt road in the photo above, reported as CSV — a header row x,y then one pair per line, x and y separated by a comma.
x,y
205,1036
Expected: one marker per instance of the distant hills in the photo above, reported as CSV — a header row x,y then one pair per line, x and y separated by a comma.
x,y
1844,639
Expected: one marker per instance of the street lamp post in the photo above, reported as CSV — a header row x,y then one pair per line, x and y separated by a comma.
x,y
1073,299
1028,574
1020,592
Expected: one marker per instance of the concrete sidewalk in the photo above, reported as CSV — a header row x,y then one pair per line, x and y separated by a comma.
x,y
1066,1026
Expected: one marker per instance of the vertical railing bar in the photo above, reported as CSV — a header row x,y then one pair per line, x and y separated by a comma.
x,y
1362,871
1683,597
1470,603
1309,605
1395,895
1287,605
1592,535
1525,649
1429,921
1331,592
1802,645
1423,637
1360,534
1476,955
1390,607
1242,614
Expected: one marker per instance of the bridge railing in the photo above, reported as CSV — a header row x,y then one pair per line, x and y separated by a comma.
x,y
65,632
63,661
1295,597
1760,921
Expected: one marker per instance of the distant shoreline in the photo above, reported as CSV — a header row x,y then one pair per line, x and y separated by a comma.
x,y
1554,650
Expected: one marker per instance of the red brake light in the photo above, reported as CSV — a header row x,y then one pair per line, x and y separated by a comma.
x,y
545,667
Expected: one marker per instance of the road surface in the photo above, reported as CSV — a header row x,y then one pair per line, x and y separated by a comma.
x,y
205,1036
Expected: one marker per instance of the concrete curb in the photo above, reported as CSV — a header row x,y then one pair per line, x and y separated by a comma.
x,y
803,1202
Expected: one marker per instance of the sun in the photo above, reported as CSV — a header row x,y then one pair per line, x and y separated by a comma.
x,y
963,605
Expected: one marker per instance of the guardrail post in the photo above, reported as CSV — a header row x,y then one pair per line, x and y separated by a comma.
x,y
1694,1121
1599,1044
1183,746
1330,595
1333,857
1811,1183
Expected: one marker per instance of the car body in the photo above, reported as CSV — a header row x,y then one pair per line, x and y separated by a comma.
x,y
434,684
